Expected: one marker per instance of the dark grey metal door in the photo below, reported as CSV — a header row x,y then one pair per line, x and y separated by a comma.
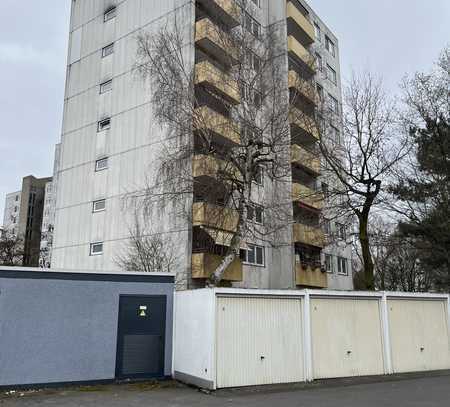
x,y
141,337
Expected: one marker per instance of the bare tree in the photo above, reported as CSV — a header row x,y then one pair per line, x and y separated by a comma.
x,y
147,252
11,250
227,114
372,147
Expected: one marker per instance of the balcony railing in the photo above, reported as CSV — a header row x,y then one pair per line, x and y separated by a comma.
x,y
227,11
307,196
212,216
301,121
302,87
310,276
302,25
209,75
308,235
214,41
301,53
309,161
204,264
207,119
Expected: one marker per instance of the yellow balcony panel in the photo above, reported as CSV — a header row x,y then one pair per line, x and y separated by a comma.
x,y
301,53
209,166
212,216
302,25
204,265
309,161
226,10
213,40
309,276
208,75
305,195
302,87
308,235
206,119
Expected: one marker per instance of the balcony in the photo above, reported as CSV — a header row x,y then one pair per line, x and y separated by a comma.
x,y
303,158
299,52
299,24
208,120
302,123
302,87
212,216
310,276
307,196
225,10
214,41
308,235
204,264
210,76
209,166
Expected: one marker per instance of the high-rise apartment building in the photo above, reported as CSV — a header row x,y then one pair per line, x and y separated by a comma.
x,y
111,141
23,216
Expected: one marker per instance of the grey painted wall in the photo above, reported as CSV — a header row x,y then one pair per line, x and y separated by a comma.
x,y
54,330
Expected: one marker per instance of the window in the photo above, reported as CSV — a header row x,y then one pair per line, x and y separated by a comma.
x,y
255,213
257,2
318,32
96,249
251,25
17,198
106,86
253,60
99,205
259,176
319,61
329,263
104,124
319,91
253,255
329,45
108,50
327,226
331,74
16,209
334,104
341,231
101,164
110,14
342,266
251,95
325,189
335,135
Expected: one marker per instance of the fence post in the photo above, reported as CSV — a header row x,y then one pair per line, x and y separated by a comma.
x,y
307,338
386,335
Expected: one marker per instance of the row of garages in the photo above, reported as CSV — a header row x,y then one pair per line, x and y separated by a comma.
x,y
230,338
72,327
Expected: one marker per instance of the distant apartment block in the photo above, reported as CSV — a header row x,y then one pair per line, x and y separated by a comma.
x,y
110,141
23,216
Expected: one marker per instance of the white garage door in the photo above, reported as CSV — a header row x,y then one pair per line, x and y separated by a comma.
x,y
419,335
259,341
346,338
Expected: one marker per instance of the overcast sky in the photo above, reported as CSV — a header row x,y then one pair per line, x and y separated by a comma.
x,y
390,37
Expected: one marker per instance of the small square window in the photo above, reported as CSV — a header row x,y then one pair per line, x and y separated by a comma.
x,y
318,32
108,50
99,205
110,14
259,176
104,124
331,74
96,249
342,266
253,255
101,164
106,86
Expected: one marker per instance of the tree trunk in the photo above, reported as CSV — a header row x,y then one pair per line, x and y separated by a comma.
x,y
369,278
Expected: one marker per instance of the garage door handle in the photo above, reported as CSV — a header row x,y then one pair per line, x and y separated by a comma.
x,y
349,352
422,349
263,357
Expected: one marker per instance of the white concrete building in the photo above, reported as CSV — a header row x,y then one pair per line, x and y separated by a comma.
x,y
110,142
11,213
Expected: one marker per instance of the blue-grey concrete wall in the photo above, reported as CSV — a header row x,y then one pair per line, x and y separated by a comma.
x,y
55,330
